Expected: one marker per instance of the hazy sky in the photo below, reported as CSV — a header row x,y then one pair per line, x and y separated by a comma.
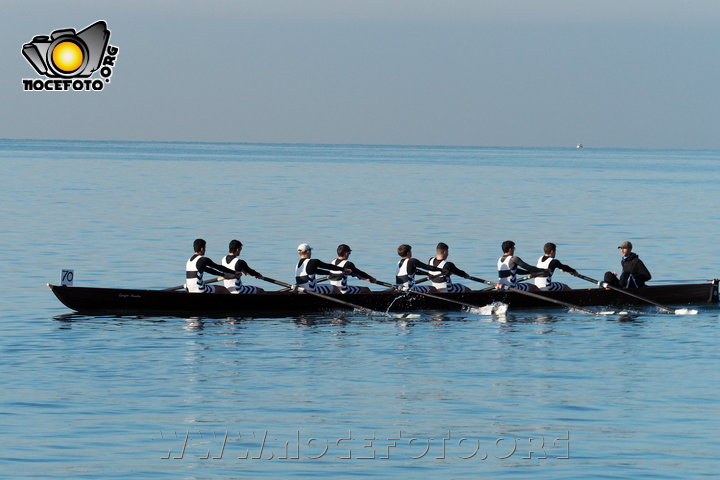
x,y
607,73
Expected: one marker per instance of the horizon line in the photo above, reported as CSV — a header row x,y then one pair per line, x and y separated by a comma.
x,y
279,143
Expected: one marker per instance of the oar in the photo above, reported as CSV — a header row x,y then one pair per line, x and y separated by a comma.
x,y
681,311
322,279
180,287
325,297
541,297
430,295
521,279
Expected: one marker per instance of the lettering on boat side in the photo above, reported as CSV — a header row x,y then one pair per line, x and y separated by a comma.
x,y
125,295
353,445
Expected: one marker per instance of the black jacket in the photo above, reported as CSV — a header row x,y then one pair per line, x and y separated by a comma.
x,y
634,272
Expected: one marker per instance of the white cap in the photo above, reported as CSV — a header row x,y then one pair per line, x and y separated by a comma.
x,y
304,247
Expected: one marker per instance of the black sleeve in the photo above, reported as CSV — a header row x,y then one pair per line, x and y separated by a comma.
x,y
556,264
527,268
453,269
242,266
642,271
207,265
318,266
416,266
356,272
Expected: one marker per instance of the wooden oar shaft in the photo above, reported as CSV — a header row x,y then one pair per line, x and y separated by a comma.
x,y
320,295
617,289
220,279
535,295
319,280
494,286
180,287
430,295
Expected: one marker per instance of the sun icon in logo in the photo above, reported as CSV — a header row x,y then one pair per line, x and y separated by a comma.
x,y
67,56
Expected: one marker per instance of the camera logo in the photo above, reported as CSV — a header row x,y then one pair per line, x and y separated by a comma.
x,y
68,56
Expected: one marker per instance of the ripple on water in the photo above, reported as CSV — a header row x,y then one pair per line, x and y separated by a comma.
x,y
108,396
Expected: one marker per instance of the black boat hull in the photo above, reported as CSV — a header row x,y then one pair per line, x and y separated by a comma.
x,y
134,301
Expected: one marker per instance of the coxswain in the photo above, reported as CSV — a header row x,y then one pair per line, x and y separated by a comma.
x,y
233,261
407,268
548,262
307,268
199,264
634,272
509,266
338,278
442,282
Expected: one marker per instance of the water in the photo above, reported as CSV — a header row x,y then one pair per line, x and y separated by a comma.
x,y
109,397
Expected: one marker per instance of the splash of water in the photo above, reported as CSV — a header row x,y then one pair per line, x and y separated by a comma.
x,y
495,308
400,315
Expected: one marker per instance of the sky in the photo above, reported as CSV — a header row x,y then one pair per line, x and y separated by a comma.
x,y
610,73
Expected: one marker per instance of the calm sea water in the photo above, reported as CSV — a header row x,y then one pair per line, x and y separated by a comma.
x,y
446,395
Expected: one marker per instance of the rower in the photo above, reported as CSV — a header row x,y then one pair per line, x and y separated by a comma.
x,y
550,263
408,267
634,272
509,266
307,268
338,278
442,282
199,264
233,261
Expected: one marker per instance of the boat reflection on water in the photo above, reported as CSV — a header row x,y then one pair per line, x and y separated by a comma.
x,y
66,320
193,324
496,312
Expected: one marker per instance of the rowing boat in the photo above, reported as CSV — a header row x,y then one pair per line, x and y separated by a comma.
x,y
122,301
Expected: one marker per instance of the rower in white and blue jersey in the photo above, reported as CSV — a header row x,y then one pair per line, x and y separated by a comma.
x,y
308,268
442,282
408,267
549,263
338,278
233,261
509,266
197,265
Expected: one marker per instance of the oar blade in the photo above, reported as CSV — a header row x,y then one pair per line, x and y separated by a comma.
x,y
680,311
686,311
495,308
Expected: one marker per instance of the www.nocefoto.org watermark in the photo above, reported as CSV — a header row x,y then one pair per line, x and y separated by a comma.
x,y
354,445
66,59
